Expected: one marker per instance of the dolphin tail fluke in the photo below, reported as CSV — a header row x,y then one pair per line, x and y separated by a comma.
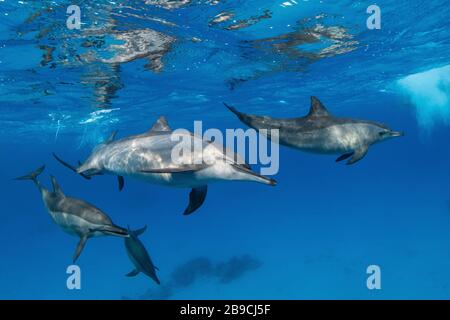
x,y
32,175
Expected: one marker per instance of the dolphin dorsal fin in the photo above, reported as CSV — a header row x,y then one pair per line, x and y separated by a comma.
x,y
56,187
161,125
317,109
111,137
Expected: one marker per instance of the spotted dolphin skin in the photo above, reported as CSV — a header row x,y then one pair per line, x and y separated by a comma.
x,y
139,256
75,216
148,157
320,132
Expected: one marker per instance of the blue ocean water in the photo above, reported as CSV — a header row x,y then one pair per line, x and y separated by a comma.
x,y
310,237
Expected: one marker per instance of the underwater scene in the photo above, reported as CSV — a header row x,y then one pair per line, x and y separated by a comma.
x,y
225,149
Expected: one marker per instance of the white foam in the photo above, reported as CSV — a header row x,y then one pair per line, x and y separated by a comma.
x,y
429,92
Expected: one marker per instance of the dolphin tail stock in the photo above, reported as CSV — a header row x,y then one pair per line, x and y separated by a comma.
x,y
233,109
255,177
253,121
70,167
242,116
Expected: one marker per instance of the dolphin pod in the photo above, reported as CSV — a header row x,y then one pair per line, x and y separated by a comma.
x,y
321,132
148,157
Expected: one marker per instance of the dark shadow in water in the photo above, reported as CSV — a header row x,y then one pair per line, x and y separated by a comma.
x,y
186,274
196,269
235,268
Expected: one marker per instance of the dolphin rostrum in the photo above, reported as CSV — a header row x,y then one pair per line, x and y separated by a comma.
x,y
139,255
321,132
148,157
74,216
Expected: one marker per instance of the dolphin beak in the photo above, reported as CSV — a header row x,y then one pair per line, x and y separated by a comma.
x,y
395,134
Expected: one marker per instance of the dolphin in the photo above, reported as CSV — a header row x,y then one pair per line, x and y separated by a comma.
x,y
321,132
74,216
148,157
139,255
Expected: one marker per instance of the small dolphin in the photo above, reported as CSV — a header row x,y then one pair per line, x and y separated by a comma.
x,y
320,132
139,255
148,157
74,216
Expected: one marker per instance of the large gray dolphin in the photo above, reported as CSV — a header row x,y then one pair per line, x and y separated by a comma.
x,y
75,216
139,256
320,132
148,157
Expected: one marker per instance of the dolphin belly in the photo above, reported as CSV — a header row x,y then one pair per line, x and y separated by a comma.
x,y
177,180
335,139
75,225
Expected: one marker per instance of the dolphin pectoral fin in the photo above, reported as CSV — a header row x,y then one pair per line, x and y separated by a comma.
x,y
80,247
121,182
65,164
345,156
358,155
196,199
156,268
132,273
183,169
